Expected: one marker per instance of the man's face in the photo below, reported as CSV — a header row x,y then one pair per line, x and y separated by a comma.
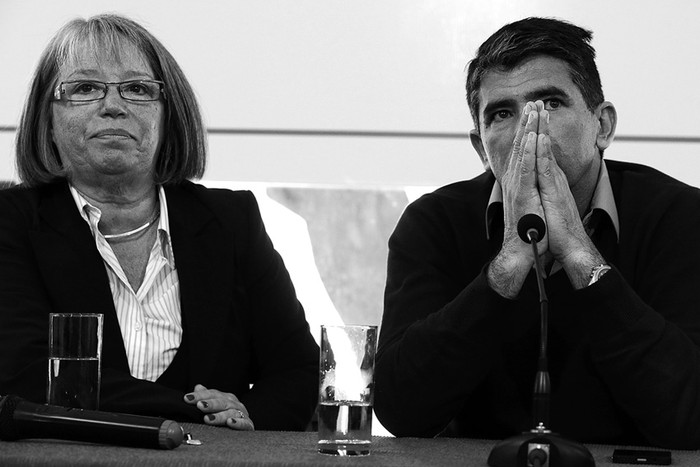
x,y
573,128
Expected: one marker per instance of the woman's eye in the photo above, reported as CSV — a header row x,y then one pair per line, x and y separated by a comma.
x,y
85,88
136,89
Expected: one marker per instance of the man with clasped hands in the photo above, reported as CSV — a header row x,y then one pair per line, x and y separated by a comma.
x,y
460,333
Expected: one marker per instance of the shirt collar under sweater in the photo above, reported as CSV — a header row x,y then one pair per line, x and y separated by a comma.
x,y
603,201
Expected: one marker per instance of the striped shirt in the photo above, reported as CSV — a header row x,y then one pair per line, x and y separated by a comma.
x,y
149,318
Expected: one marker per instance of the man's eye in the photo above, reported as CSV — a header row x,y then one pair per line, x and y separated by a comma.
x,y
500,115
552,104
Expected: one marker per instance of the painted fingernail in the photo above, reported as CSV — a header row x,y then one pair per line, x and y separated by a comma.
x,y
205,404
189,397
232,420
211,417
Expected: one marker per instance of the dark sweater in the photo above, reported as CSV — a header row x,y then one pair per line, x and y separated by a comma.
x,y
457,359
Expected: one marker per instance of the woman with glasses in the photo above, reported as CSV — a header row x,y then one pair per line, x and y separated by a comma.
x,y
201,321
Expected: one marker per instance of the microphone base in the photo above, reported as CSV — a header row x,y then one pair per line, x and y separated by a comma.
x,y
513,452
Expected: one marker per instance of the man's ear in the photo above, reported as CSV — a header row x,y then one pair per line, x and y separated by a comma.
x,y
607,119
479,148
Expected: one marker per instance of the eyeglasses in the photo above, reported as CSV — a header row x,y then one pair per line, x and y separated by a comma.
x,y
140,90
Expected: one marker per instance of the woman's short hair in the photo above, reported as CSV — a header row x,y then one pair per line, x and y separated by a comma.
x,y
182,153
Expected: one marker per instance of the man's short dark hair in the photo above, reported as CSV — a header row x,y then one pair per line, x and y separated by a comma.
x,y
522,40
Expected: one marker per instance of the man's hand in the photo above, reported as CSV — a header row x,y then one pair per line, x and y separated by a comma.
x,y
534,183
568,241
510,267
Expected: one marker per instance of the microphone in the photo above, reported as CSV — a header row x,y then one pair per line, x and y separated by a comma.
x,y
531,229
539,447
531,224
22,419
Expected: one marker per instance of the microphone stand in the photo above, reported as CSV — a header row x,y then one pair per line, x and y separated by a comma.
x,y
540,447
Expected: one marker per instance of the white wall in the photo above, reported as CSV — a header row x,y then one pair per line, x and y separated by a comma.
x,y
390,65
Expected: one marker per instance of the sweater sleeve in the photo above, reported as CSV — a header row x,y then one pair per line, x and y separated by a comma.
x,y
439,326
643,319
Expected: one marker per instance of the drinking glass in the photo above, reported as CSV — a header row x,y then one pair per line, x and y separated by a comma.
x,y
346,389
75,350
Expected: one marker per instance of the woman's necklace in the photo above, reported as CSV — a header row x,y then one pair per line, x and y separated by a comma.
x,y
134,231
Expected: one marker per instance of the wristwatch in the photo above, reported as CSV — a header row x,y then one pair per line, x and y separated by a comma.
x,y
597,272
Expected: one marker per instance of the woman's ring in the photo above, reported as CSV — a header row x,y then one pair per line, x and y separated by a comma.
x,y
241,414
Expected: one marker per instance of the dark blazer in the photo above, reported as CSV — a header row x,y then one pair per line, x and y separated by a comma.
x,y
243,329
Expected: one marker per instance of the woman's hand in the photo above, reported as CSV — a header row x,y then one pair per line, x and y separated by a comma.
x,y
221,408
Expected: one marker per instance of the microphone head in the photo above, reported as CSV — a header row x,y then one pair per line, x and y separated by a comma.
x,y
529,222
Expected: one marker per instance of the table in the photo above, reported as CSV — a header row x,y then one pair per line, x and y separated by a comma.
x,y
225,447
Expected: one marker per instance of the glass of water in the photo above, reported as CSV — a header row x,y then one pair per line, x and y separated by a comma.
x,y
346,390
75,350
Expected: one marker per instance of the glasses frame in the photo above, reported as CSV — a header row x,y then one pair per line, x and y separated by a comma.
x,y
59,93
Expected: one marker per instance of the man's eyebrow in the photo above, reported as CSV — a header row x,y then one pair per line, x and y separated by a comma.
x,y
505,103
547,91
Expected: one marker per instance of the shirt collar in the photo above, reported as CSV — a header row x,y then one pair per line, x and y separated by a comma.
x,y
603,200
91,214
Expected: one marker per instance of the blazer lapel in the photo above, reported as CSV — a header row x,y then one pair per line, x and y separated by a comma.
x,y
73,269
204,271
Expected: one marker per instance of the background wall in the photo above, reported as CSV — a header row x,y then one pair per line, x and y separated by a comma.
x,y
319,66
338,113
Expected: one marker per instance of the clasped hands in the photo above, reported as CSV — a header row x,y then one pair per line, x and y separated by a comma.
x,y
533,182
220,408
